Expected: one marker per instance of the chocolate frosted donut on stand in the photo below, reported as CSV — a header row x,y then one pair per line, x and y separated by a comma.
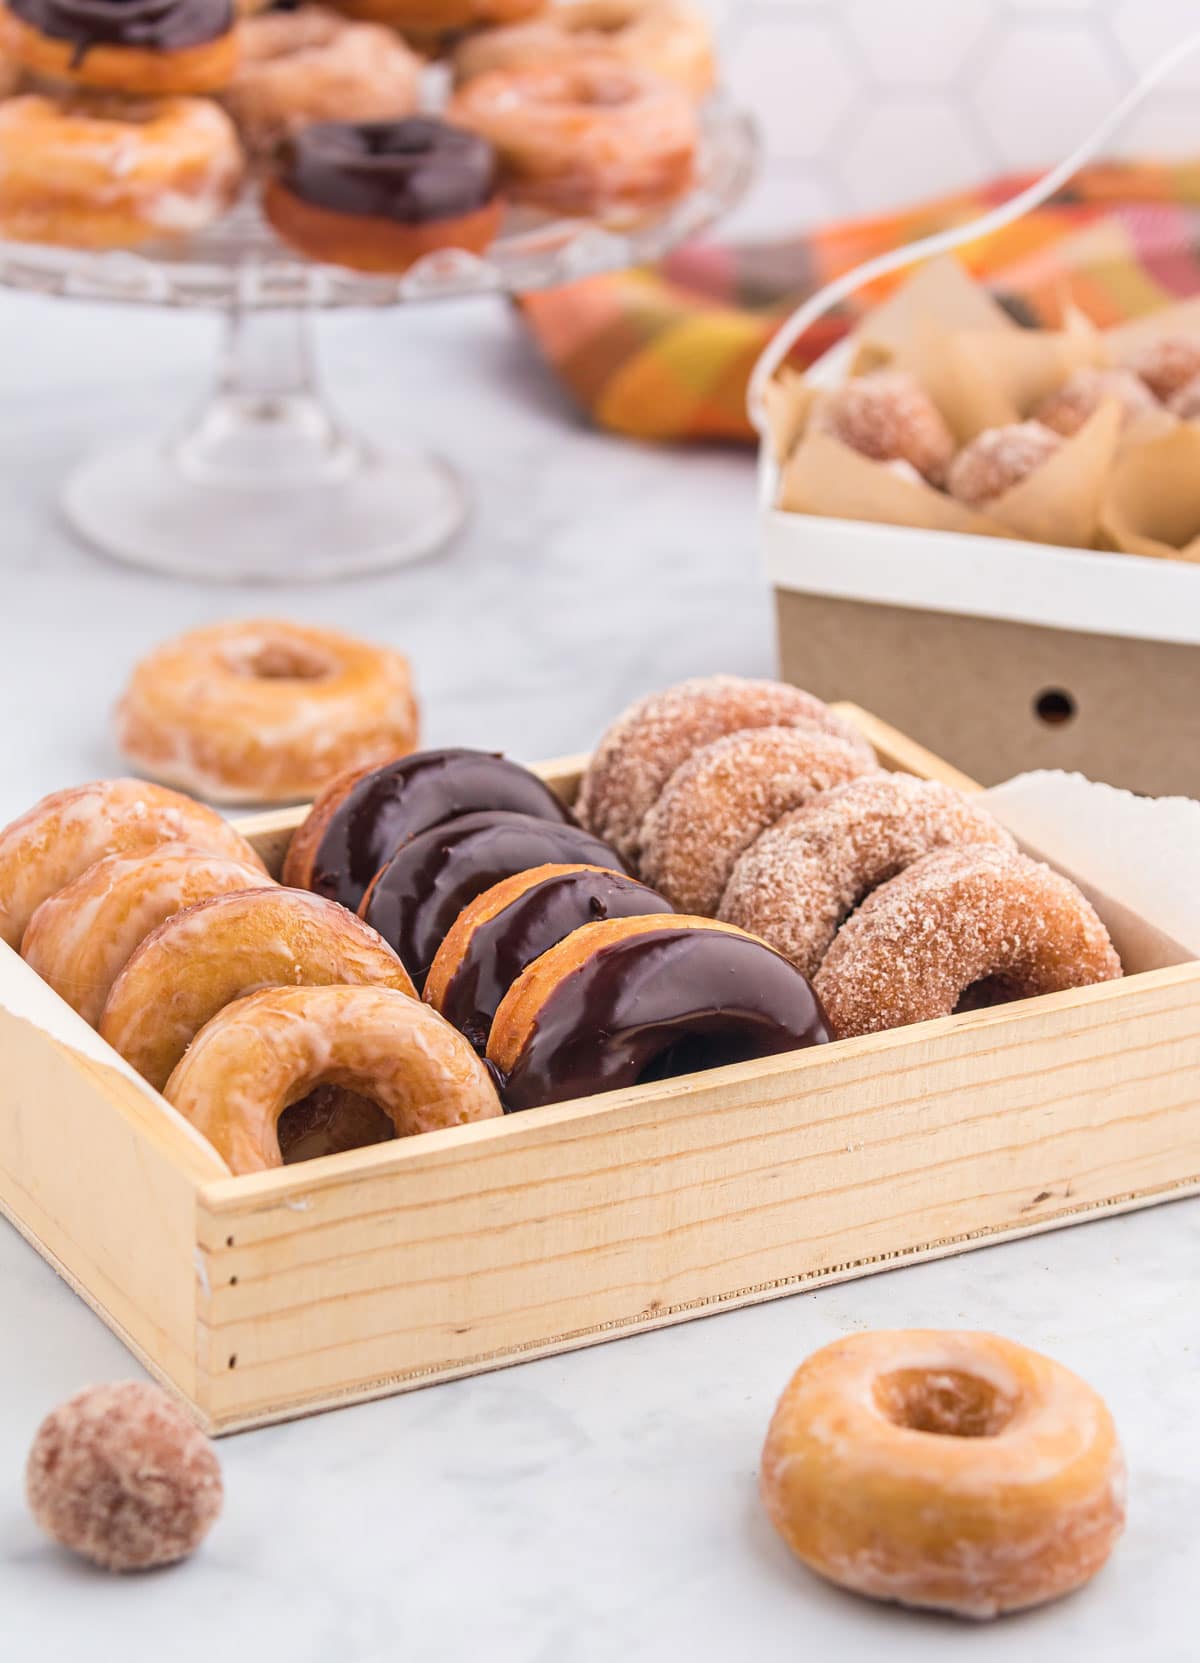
x,y
628,1000
357,824
150,47
961,927
805,875
418,895
724,796
643,748
503,930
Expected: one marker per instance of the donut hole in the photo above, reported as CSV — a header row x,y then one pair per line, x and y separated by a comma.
x,y
949,1403
278,661
696,1052
328,1120
985,993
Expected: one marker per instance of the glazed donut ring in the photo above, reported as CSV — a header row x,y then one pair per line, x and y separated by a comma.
x,y
80,939
151,48
68,831
803,877
958,918
639,753
265,710
631,999
272,1049
718,801
958,1471
203,959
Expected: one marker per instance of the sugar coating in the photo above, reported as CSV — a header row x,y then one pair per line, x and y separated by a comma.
x,y
1082,394
1186,402
1167,365
889,417
724,796
796,884
955,918
643,748
120,1475
999,458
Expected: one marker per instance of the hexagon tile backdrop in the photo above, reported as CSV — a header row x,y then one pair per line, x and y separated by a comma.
x,y
869,104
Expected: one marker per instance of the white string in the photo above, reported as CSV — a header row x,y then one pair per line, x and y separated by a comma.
x,y
942,241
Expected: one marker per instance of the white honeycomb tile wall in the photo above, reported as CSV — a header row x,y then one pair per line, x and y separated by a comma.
x,y
865,105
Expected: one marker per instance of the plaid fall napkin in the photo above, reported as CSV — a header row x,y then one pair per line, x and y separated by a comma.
x,y
666,353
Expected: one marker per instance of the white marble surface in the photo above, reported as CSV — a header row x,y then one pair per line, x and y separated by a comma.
x,y
588,1508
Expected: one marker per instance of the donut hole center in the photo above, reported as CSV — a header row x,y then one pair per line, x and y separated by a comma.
x,y
694,1053
949,1403
328,1120
279,661
983,994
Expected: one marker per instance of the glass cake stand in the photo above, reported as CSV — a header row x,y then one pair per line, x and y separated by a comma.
x,y
265,483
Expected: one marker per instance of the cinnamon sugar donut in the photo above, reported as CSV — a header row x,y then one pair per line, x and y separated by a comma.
x,y
643,747
205,958
976,924
1168,364
718,801
889,417
957,1471
999,458
68,831
264,710
80,939
272,1049
1067,409
806,874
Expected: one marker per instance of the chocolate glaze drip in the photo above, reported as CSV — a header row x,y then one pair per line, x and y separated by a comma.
x,y
385,808
414,171
501,947
423,888
150,25
653,1006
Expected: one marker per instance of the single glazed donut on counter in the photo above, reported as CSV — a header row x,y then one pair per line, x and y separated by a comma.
x,y
378,196
591,136
889,417
263,710
798,883
627,1000
45,849
671,38
148,47
92,171
186,971
267,1052
431,21
500,933
310,65
1067,409
999,458
360,820
955,1471
963,926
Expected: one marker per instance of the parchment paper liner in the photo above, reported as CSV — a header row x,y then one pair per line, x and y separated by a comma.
x,y
1152,505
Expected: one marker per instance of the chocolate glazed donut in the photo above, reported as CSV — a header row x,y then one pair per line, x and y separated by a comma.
x,y
153,25
630,1000
413,170
417,896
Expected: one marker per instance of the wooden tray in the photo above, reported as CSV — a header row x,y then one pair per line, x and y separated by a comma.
x,y
264,1297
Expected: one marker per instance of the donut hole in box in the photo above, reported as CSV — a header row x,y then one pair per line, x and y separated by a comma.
x,y
328,1120
945,1402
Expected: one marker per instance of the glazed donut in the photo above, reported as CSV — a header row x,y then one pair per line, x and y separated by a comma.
x,y
999,458
430,20
671,38
95,173
628,1000
271,1049
718,801
359,821
80,939
584,137
797,884
1168,364
311,65
68,831
959,928
958,1471
889,417
212,954
503,930
1067,409
152,48
415,899
643,748
379,196
265,710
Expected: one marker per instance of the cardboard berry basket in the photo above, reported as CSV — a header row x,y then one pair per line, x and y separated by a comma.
x,y
263,1297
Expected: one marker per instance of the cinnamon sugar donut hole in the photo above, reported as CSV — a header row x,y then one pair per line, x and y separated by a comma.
x,y
959,928
956,1471
889,417
716,804
999,458
1067,409
1168,364
1186,402
806,874
264,710
644,746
